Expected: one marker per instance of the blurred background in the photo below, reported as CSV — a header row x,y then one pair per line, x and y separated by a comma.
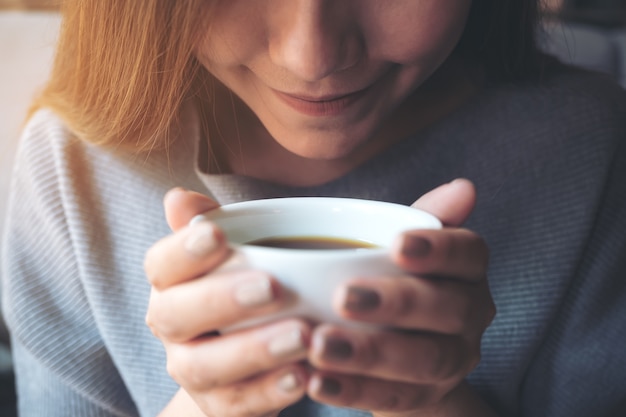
x,y
28,31
588,33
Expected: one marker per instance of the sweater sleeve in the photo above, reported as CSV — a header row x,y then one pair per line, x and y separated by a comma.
x,y
62,364
580,369
43,392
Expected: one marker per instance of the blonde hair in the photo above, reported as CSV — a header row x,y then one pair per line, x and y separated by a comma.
x,y
123,69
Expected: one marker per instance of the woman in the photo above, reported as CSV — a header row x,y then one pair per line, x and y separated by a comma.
x,y
241,100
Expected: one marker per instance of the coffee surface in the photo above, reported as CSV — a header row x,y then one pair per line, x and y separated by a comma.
x,y
311,242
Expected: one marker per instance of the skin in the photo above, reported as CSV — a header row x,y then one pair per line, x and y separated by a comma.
x,y
321,50
418,374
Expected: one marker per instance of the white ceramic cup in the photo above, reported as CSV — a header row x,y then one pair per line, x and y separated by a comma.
x,y
309,276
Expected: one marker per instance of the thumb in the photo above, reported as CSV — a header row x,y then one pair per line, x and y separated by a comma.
x,y
182,205
451,203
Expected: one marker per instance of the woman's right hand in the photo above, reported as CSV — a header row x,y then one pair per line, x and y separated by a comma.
x,y
252,372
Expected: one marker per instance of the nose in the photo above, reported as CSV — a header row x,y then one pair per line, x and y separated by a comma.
x,y
314,38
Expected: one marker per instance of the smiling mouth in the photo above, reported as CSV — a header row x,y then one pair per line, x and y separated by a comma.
x,y
320,106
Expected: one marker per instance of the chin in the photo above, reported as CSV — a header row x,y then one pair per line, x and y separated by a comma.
x,y
325,147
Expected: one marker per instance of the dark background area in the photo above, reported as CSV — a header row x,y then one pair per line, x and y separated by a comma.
x,y
601,12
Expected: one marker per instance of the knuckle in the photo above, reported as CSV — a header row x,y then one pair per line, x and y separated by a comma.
x,y
187,372
485,311
352,391
456,323
173,368
479,244
482,247
479,254
197,376
441,363
151,325
400,397
405,305
459,314
369,353
149,257
236,402
389,402
158,322
170,333
419,397
433,366
150,267
473,360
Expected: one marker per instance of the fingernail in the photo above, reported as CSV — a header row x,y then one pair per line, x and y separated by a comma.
x,y
415,246
254,292
336,349
360,299
197,219
286,344
288,382
200,240
330,386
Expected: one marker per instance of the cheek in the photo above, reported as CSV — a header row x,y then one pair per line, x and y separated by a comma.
x,y
217,51
229,44
418,33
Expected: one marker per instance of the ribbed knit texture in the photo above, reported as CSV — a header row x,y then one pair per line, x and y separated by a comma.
x,y
549,162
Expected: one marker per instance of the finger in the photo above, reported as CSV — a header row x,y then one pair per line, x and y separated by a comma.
x,y
216,361
452,203
186,254
456,253
416,358
428,304
390,398
182,205
370,393
262,395
185,311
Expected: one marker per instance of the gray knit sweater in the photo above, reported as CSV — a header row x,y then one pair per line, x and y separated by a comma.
x,y
549,162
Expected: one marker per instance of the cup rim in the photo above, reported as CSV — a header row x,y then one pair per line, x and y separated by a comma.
x,y
282,204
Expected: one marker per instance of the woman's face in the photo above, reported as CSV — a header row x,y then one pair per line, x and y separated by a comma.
x,y
323,76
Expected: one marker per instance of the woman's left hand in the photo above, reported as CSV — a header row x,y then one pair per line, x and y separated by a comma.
x,y
433,320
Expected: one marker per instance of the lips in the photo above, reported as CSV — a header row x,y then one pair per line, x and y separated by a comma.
x,y
322,106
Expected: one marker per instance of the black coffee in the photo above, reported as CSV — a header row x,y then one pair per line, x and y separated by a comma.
x,y
311,242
